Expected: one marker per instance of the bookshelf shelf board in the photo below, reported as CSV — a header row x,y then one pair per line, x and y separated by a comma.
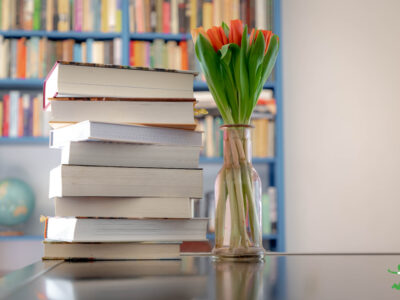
x,y
220,160
202,86
28,83
155,35
56,35
24,140
21,238
270,237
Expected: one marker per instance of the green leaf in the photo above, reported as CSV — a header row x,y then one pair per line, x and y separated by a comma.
x,y
226,29
210,64
244,78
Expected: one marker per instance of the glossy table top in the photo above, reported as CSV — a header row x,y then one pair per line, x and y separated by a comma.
x,y
278,277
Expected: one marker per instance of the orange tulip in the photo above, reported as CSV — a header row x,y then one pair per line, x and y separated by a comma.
x,y
215,37
197,31
236,32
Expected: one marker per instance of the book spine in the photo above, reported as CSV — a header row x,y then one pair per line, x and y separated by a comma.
x,y
118,25
153,16
43,12
104,15
199,10
78,10
159,11
174,18
36,117
139,10
6,114
13,116
207,14
30,117
25,122
1,110
20,129
181,16
193,14
89,50
36,15
166,16
112,15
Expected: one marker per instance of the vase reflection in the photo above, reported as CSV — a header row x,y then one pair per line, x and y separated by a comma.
x,y
239,280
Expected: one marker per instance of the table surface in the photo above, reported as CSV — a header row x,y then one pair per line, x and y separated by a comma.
x,y
336,276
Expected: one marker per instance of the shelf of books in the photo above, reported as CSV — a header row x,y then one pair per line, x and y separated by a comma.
x,y
137,33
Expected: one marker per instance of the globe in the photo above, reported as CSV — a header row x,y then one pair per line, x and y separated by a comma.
x,y
16,201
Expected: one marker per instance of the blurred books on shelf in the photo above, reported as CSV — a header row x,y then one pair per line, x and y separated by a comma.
x,y
180,16
263,120
21,115
61,15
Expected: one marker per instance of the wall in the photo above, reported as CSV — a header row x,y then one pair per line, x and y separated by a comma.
x,y
341,71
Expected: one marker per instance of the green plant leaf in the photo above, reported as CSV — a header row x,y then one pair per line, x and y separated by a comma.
x,y
226,29
243,78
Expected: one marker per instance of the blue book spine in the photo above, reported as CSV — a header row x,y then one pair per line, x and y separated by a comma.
x,y
89,50
77,52
14,102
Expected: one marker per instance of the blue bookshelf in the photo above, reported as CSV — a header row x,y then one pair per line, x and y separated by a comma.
x,y
21,238
24,140
277,163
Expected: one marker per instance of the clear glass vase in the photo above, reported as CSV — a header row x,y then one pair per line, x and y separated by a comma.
x,y
238,231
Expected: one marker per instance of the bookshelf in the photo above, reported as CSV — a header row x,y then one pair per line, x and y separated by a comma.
x,y
276,164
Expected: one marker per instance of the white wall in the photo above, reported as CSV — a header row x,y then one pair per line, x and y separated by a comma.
x,y
341,75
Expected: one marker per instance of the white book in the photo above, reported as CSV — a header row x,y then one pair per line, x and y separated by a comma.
x,y
117,51
109,132
130,155
69,180
68,79
110,251
113,110
123,207
124,230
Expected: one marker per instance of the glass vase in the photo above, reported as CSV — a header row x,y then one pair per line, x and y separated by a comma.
x,y
238,231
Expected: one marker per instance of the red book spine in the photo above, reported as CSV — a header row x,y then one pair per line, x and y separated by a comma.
x,y
6,114
166,16
20,117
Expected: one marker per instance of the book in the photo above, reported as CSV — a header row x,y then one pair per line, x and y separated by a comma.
x,y
98,131
95,80
168,113
71,180
121,230
130,155
123,207
110,251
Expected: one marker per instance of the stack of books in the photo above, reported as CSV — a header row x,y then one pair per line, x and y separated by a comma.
x,y
129,167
